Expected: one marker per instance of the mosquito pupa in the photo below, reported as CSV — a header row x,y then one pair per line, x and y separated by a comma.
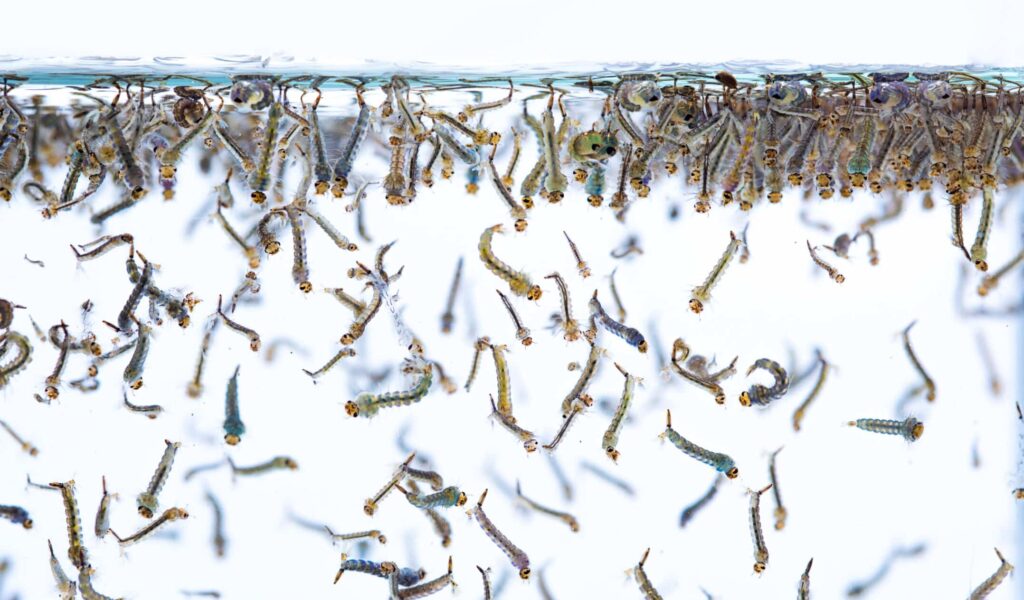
x,y
928,381
721,462
611,436
147,500
518,558
909,429
702,294
761,395
537,507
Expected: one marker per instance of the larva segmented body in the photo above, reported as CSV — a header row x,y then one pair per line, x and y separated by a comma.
x,y
909,429
368,404
76,547
646,587
147,500
519,558
446,498
702,293
721,462
518,281
611,436
406,576
630,335
762,395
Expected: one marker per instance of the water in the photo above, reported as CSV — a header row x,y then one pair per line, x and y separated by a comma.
x,y
852,496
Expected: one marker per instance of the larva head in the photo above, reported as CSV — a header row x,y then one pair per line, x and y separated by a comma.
x,y
642,347
524,573
780,518
696,305
232,439
462,499
530,445
51,392
732,473
388,567
369,507
720,398
759,567
555,197
146,512
916,431
981,265
671,168
352,410
27,523
520,225
745,398
534,293
580,175
595,200
839,278
612,453
1018,493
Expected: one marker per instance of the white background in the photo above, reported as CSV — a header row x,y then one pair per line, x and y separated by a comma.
x,y
852,496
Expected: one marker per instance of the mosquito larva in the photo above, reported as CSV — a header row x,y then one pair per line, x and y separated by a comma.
x,y
804,591
406,576
702,293
359,535
103,245
85,585
358,326
691,511
646,587
509,423
259,177
833,273
150,410
979,249
581,265
275,464
989,585
147,500
68,589
517,281
568,323
20,359
721,462
929,383
343,166
503,382
611,436
219,541
989,282
760,549
576,408
761,395
254,338
448,317
16,515
432,477
798,415
561,516
579,390
860,588
780,510
169,515
518,558
26,446
124,318
368,404
485,575
343,353
909,429
446,498
516,210
370,505
76,544
522,333
53,379
195,387
233,425
708,385
102,517
630,335
615,295
427,588
479,347
132,375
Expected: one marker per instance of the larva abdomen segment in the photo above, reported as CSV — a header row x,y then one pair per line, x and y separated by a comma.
x,y
909,429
